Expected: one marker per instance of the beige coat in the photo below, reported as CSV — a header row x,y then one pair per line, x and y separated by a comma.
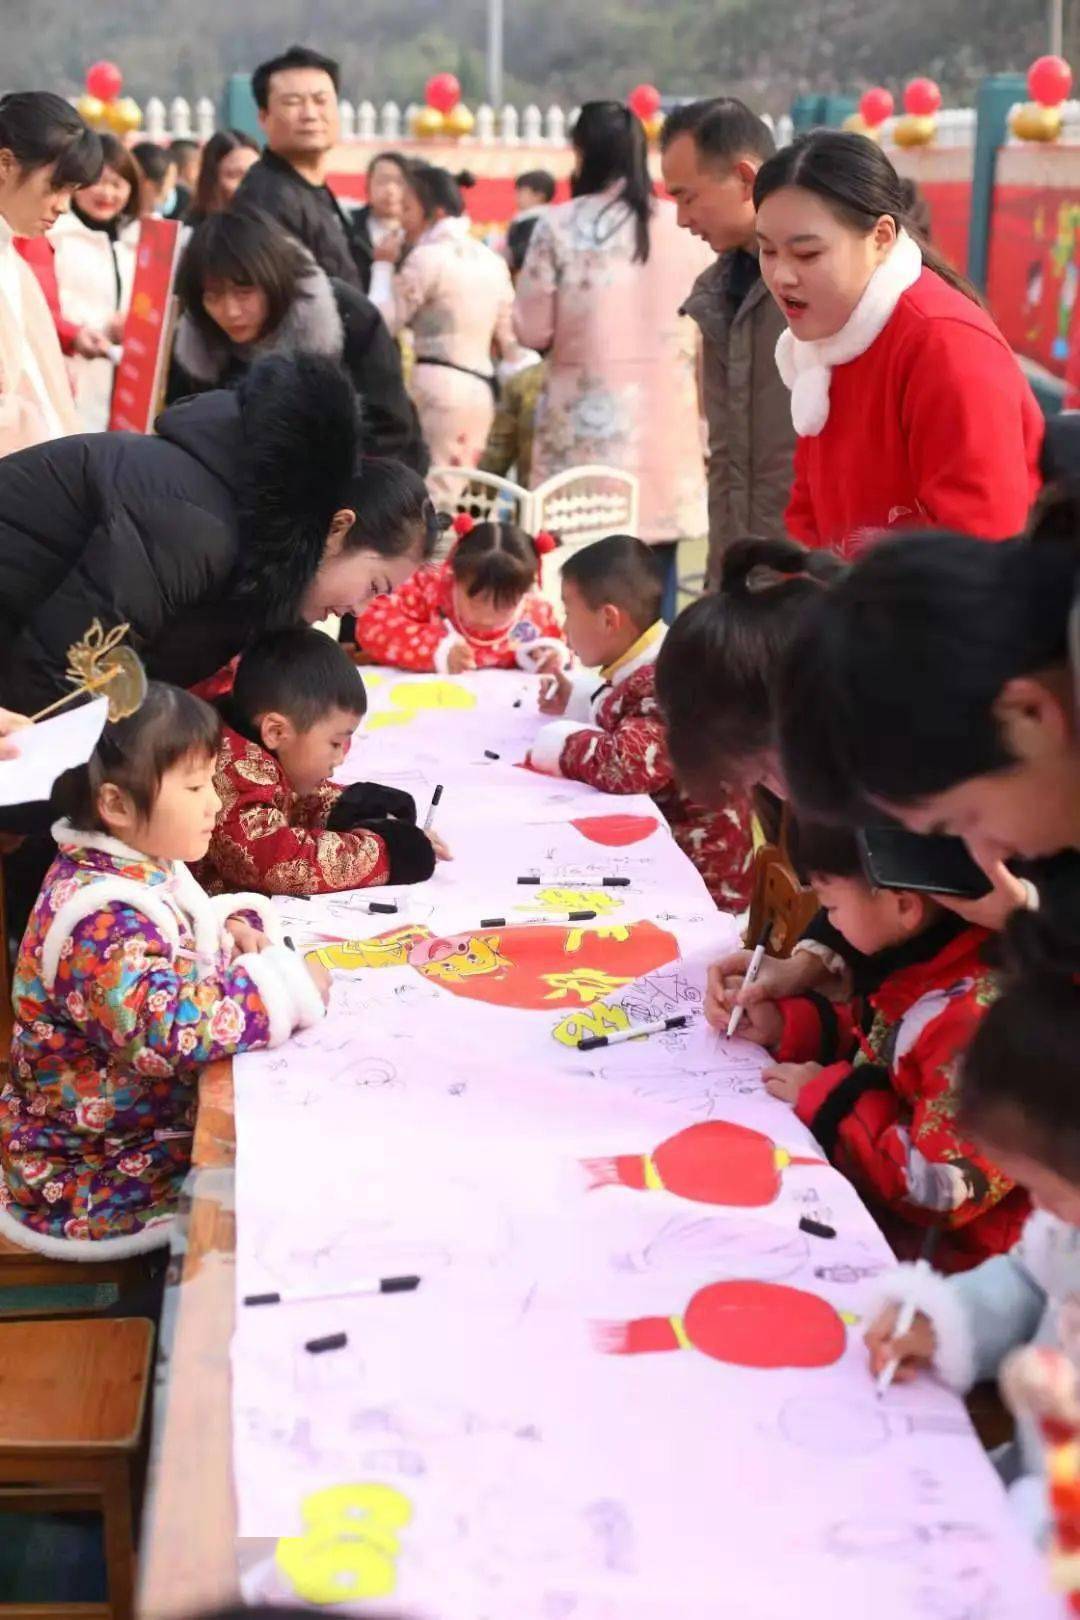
x,y
22,420
94,277
748,408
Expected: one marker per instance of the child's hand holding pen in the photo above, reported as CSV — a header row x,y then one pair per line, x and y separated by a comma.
x,y
555,690
912,1351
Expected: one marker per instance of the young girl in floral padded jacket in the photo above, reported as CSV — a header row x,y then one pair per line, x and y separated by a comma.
x,y
129,981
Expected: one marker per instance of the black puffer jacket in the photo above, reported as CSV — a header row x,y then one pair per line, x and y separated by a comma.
x,y
310,213
197,538
326,317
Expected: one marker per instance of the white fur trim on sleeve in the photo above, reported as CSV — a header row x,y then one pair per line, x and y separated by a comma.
x,y
442,651
154,1235
937,1298
99,895
310,1008
286,989
231,905
813,947
545,753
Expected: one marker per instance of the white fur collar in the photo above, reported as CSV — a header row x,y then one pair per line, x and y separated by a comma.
x,y
806,368
312,325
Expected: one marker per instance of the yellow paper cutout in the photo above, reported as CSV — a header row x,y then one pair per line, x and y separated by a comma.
x,y
350,1547
389,717
352,1504
556,900
432,695
599,1019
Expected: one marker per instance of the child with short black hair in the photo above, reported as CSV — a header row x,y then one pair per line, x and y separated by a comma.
x,y
613,735
284,827
1020,1101
875,1079
481,609
129,981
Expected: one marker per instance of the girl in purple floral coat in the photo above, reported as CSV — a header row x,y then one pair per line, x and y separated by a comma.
x,y
130,980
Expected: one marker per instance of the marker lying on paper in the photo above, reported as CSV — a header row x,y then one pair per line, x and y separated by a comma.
x,y
489,753
518,703
816,1228
558,917
366,1285
382,908
435,797
332,1341
606,883
909,1309
589,1043
751,974
288,942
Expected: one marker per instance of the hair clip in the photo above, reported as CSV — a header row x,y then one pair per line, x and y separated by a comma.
x,y
545,542
763,577
464,523
98,662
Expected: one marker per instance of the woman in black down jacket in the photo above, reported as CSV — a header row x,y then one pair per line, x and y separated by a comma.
x,y
246,290
246,509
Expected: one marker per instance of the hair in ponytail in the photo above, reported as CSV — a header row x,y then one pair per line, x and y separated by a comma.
x,y
44,131
857,183
611,143
718,662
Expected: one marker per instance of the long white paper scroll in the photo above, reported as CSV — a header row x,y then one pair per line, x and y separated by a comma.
x,y
630,1384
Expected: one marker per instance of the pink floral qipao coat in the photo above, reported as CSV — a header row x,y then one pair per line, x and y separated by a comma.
x,y
622,371
125,988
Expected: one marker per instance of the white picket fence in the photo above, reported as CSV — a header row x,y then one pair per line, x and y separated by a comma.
x,y
364,121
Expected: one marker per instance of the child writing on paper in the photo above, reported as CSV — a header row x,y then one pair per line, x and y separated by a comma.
x,y
880,1091
1020,1100
129,981
612,733
480,609
284,828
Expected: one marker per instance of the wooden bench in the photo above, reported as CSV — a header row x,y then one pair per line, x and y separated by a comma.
x,y
72,1413
23,1268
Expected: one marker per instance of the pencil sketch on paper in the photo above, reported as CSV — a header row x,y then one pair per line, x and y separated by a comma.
x,y
712,1244
828,1426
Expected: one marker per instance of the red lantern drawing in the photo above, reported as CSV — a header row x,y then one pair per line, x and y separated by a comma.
x,y
104,80
1049,80
876,105
922,98
715,1162
616,831
746,1324
644,100
443,92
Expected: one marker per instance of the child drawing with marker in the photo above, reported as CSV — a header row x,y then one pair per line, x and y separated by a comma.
x,y
1019,1100
284,827
606,728
130,980
875,1078
481,609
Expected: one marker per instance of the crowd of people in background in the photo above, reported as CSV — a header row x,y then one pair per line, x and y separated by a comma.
x,y
888,634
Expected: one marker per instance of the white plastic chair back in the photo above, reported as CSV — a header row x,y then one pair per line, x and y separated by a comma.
x,y
581,505
485,496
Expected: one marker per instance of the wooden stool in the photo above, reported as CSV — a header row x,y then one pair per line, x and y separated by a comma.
x,y
72,1407
23,1268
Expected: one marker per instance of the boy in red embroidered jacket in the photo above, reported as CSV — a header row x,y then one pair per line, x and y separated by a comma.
x,y
481,609
284,828
614,736
880,1093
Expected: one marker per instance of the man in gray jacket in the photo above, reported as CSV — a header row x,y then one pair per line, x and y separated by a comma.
x,y
712,151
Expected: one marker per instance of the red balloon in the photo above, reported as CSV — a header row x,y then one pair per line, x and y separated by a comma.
x,y
104,80
1049,80
922,98
876,105
443,92
644,100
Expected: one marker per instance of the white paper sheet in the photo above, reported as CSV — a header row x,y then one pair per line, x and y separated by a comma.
x,y
48,749
561,1402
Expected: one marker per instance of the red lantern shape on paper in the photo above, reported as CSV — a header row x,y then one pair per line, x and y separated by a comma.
x,y
714,1162
876,105
1049,80
644,100
443,92
922,98
746,1324
104,80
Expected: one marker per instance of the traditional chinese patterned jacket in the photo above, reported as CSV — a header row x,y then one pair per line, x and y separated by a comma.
x,y
269,839
125,988
614,739
415,626
884,1107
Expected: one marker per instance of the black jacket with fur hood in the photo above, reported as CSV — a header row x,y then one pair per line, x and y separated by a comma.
x,y
197,537
329,318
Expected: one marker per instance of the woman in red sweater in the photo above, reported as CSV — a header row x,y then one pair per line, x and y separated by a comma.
x,y
910,407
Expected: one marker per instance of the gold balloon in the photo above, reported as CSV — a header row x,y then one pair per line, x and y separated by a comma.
x,y
914,130
1033,122
427,123
91,108
653,126
459,121
123,115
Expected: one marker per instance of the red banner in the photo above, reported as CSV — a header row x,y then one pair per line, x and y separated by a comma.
x,y
137,391
491,202
1035,270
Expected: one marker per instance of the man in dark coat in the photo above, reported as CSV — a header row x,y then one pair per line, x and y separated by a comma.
x,y
297,97
196,537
